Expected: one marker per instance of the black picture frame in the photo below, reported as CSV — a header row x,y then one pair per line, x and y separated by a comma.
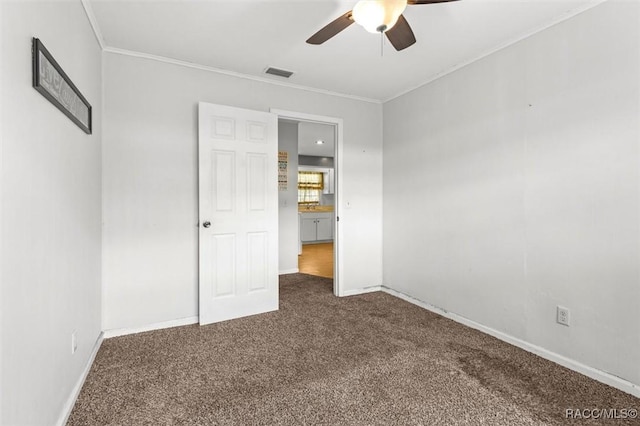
x,y
54,84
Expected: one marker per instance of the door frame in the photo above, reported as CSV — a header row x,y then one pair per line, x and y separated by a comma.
x,y
337,166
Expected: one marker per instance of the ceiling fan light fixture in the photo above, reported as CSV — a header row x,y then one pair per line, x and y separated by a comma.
x,y
378,16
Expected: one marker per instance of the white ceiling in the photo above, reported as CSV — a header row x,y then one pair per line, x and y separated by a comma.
x,y
309,133
247,36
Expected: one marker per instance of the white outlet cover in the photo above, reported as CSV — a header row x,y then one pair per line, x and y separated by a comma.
x,y
562,315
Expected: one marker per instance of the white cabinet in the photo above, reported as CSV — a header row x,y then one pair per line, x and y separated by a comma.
x,y
329,181
316,227
324,228
308,228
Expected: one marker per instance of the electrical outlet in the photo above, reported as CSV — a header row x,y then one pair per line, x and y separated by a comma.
x,y
562,315
74,343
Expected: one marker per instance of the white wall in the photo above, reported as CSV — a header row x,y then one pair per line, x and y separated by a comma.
x,y
150,182
51,214
1,202
288,200
512,186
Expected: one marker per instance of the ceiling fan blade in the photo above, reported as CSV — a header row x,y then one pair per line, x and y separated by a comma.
x,y
400,35
333,28
427,1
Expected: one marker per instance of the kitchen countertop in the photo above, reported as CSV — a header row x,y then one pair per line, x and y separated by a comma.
x,y
315,209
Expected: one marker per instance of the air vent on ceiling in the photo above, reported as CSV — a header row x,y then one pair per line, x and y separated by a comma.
x,y
278,72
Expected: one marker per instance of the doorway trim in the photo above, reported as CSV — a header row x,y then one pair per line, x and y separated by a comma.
x,y
337,165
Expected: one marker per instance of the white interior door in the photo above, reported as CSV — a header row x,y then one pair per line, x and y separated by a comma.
x,y
238,194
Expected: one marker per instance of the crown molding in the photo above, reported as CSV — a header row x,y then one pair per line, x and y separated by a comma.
x,y
88,9
235,74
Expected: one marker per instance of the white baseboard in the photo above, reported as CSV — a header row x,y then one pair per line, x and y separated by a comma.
x,y
360,291
289,271
71,401
593,373
108,334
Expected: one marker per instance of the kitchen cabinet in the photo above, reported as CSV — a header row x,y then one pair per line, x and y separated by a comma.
x,y
329,181
316,227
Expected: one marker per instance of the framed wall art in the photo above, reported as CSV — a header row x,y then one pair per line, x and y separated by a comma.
x,y
53,83
283,169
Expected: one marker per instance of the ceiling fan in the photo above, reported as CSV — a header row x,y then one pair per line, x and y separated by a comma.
x,y
376,16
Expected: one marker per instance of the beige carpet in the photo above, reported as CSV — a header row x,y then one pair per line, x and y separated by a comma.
x,y
363,360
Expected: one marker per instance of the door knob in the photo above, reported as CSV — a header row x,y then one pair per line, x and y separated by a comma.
x,y
206,224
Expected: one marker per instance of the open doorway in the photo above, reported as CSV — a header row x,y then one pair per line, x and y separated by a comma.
x,y
316,198
309,199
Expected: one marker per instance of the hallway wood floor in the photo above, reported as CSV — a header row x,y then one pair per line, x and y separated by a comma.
x,y
316,259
